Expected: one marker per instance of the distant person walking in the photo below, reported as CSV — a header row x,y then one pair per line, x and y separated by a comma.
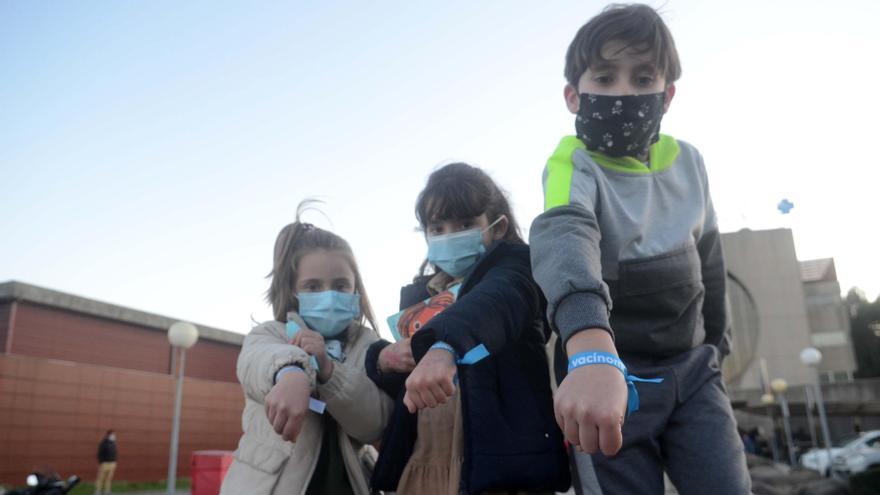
x,y
106,463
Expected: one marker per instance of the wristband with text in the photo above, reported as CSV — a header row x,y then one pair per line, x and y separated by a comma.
x,y
600,357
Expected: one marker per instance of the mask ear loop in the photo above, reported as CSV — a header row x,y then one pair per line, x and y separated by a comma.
x,y
493,224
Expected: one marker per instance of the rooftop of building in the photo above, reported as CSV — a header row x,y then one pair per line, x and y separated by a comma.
x,y
819,270
19,291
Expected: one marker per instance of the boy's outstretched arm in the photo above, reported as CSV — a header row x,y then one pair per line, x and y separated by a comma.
x,y
590,403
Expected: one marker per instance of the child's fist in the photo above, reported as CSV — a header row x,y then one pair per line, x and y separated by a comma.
x,y
287,403
313,343
432,381
397,357
590,405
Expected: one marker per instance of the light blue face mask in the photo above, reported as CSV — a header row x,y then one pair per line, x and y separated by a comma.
x,y
458,252
329,312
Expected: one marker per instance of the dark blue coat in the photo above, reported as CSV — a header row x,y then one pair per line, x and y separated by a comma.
x,y
511,440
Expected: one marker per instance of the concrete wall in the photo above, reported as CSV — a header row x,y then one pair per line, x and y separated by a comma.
x,y
766,262
829,324
56,412
847,404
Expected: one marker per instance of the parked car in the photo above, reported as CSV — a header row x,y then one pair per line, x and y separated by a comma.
x,y
817,459
861,458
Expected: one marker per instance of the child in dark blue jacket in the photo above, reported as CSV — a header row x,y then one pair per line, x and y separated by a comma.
x,y
475,414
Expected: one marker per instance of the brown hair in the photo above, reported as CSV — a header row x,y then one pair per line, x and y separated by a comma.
x,y
295,241
459,191
637,26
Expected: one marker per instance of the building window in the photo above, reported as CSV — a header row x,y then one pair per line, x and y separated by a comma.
x,y
828,339
823,300
841,377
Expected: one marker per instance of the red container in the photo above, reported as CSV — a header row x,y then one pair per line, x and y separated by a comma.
x,y
208,470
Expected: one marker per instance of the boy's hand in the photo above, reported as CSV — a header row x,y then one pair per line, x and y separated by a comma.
x,y
590,404
397,357
431,382
287,403
313,343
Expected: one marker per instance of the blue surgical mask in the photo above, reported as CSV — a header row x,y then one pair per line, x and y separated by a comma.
x,y
457,253
330,312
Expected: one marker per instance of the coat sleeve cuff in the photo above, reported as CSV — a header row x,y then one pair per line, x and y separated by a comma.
x,y
390,382
371,360
579,311
300,359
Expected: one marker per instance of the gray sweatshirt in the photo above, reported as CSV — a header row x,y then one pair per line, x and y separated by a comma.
x,y
644,237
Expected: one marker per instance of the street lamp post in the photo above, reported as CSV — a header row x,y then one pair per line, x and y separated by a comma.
x,y
812,357
779,386
767,400
182,336
808,403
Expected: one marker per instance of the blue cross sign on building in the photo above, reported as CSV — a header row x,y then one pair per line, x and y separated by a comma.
x,y
785,206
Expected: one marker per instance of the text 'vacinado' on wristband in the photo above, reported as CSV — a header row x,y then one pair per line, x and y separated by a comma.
x,y
589,358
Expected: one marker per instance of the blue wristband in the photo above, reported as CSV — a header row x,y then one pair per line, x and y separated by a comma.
x,y
315,405
596,357
599,357
285,370
446,347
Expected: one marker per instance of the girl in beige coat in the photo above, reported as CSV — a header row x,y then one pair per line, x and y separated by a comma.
x,y
311,356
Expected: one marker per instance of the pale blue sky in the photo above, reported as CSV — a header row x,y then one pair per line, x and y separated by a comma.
x,y
151,151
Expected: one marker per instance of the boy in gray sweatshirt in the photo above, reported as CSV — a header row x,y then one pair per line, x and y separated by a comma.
x,y
628,219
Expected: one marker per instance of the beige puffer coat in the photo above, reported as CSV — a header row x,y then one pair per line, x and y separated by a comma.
x,y
265,463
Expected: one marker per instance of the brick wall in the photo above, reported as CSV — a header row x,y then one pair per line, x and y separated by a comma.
x,y
56,412
4,324
42,331
58,334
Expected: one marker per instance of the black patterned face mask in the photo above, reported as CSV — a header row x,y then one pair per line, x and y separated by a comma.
x,y
620,125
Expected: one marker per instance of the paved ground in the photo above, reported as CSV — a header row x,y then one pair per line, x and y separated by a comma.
x,y
669,491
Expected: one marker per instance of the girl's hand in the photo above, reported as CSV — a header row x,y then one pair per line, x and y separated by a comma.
x,y
397,357
313,343
590,403
431,382
287,404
